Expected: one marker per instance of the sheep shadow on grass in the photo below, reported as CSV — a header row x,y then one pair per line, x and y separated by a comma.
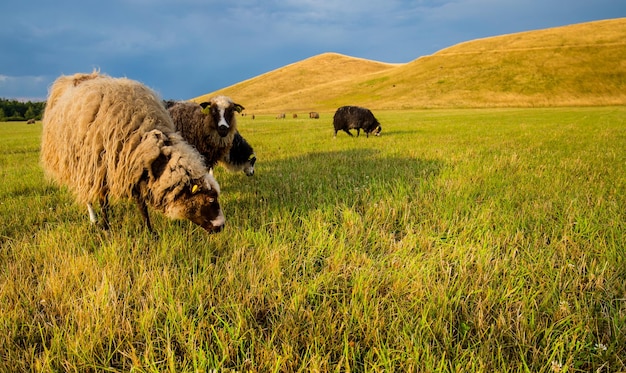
x,y
325,179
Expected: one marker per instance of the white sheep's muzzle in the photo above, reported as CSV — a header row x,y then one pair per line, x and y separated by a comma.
x,y
222,125
218,223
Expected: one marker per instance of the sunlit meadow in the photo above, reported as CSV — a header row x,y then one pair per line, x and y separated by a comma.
x,y
458,241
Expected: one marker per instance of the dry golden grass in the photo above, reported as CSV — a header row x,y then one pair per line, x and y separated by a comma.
x,y
298,80
576,65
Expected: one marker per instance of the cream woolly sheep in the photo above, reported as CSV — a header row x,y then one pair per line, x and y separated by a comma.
x,y
209,126
105,136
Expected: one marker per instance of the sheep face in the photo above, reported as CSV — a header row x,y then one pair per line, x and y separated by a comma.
x,y
248,167
199,204
377,130
222,110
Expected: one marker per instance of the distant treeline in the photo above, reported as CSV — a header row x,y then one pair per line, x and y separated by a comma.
x,y
13,110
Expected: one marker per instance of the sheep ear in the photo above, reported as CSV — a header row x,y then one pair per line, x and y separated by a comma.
x,y
206,107
238,108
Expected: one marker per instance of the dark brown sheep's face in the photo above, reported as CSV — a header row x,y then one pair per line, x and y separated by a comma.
x,y
223,118
222,111
199,205
204,209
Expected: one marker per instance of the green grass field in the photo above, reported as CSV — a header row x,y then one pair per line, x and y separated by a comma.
x,y
458,241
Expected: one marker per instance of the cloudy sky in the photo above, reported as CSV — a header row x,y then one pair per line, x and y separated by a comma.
x,y
186,48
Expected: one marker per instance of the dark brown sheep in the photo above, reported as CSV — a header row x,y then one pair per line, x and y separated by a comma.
x,y
209,126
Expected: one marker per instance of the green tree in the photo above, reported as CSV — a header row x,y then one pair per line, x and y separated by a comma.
x,y
30,113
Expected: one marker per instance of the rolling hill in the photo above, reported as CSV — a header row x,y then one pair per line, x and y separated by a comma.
x,y
575,65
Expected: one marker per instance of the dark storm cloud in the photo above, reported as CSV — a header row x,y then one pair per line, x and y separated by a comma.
x,y
190,47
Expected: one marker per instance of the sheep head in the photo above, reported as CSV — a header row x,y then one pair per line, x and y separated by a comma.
x,y
248,168
198,202
240,157
222,110
377,130
177,182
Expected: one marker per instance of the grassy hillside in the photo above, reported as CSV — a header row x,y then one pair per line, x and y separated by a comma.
x,y
290,85
577,65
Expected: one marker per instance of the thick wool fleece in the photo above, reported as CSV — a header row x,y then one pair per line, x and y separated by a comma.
x,y
200,130
107,136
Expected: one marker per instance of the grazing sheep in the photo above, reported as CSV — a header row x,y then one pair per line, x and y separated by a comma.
x,y
241,156
354,117
314,115
280,116
209,126
30,121
105,136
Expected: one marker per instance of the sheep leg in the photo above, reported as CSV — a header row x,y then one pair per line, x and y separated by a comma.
x,y
104,208
143,208
92,214
348,132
